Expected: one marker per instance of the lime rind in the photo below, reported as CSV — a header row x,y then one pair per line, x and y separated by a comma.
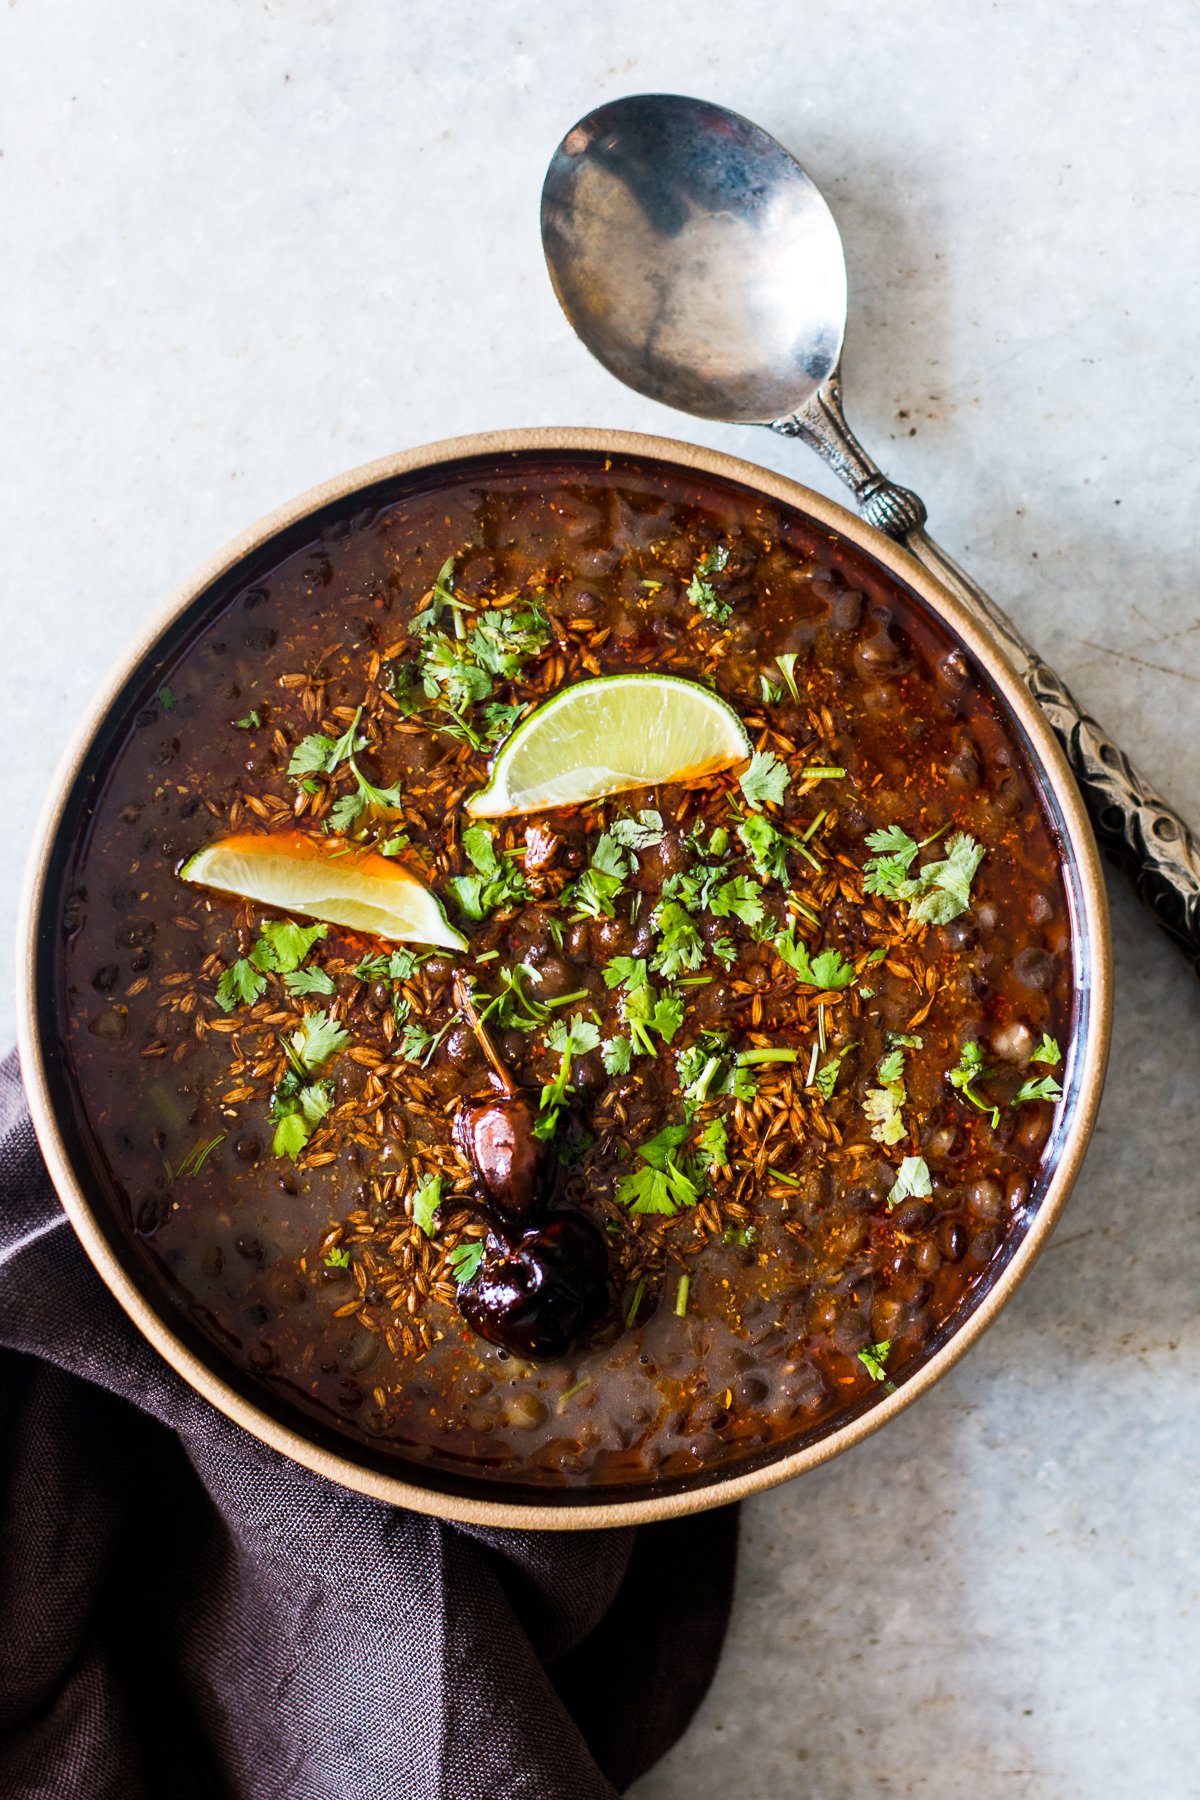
x,y
607,736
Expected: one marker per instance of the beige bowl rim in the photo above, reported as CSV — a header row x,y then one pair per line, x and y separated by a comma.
x,y
548,1511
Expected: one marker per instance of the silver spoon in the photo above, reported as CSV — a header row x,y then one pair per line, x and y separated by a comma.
x,y
700,264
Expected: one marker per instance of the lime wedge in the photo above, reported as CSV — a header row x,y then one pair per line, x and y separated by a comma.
x,y
356,888
601,737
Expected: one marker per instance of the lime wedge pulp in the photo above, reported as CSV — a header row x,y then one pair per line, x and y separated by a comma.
x,y
357,888
604,736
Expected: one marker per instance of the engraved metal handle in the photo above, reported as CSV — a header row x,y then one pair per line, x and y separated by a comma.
x,y
1133,823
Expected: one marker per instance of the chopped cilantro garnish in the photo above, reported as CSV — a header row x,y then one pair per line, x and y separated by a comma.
x,y
570,1038
772,693
707,1071
970,1070
166,698
316,1041
1045,1089
739,898
713,1144
425,1202
579,1035
251,722
418,1045
939,891
700,591
617,1055
594,894
464,1262
882,1104
395,965
337,1258
498,881
628,971
1047,1051
286,945
240,985
825,1079
638,833
645,1010
787,668
309,981
680,945
912,1181
457,673
661,1184
297,1108
681,1296
767,847
765,781
874,1359
828,970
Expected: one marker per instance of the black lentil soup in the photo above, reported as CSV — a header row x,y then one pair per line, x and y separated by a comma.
x,y
781,1043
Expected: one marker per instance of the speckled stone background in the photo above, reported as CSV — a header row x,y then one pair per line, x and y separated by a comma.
x,y
249,243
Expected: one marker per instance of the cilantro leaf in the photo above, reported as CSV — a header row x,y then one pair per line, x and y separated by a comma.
x,y
874,1359
828,970
765,781
240,985
425,1202
1045,1089
338,1258
661,1185
309,981
397,965
1047,1051
579,1035
825,1079
617,1055
787,668
465,1260
970,1070
640,833
766,847
739,898
251,722
713,1143
680,945
882,1104
297,1108
646,1190
887,872
912,1181
700,591
657,1149
287,944
627,970
946,885
498,882
318,1038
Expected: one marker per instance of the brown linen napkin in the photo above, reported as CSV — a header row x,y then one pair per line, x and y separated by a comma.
x,y
184,1613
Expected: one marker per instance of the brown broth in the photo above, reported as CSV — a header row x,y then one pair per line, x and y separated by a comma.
x,y
794,1260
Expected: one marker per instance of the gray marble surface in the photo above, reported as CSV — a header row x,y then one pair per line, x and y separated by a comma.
x,y
247,245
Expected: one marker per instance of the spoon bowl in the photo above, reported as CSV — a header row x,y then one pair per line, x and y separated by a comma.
x,y
695,258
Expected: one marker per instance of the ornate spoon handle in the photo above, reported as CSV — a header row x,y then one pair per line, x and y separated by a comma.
x,y
1133,823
